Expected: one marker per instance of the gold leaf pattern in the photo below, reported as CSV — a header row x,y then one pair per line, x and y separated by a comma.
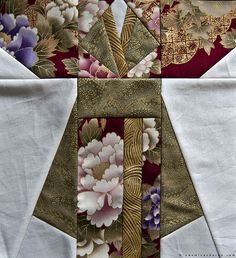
x,y
179,201
98,45
115,42
128,27
115,97
133,138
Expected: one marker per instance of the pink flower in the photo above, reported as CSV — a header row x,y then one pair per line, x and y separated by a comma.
x,y
90,67
154,23
100,180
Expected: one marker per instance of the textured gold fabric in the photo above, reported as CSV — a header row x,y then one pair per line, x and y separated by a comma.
x,y
119,55
141,44
179,201
132,238
118,97
98,45
57,202
115,42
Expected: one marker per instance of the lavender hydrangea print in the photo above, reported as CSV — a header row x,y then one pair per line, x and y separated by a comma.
x,y
152,220
18,39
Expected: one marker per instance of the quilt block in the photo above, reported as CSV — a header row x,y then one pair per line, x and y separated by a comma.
x,y
117,128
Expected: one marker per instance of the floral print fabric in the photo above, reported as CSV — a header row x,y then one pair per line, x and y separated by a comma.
x,y
100,187
42,35
101,172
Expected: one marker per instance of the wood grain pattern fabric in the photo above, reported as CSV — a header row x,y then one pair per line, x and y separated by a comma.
x,y
132,189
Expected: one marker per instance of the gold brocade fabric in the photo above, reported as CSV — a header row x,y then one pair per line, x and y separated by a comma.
x,y
118,97
57,202
179,201
132,237
186,30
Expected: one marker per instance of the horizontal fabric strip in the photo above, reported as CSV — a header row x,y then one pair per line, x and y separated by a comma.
x,y
119,97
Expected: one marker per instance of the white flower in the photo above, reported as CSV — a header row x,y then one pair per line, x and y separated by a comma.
x,y
144,66
150,134
61,11
100,180
96,247
138,11
215,8
54,13
92,11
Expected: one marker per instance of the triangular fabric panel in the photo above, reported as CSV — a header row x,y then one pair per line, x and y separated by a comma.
x,y
141,44
56,204
179,201
188,241
34,114
225,68
203,114
10,68
43,240
97,44
119,8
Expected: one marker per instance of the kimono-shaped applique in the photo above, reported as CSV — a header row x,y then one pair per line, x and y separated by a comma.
x,y
118,40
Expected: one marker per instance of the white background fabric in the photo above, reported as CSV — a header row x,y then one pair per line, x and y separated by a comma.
x,y
119,8
44,241
193,238
225,68
34,114
203,114
10,68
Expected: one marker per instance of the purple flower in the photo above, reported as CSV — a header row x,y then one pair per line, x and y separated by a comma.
x,y
152,220
22,40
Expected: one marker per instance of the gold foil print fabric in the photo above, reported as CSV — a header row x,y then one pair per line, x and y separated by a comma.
x,y
132,237
179,201
118,98
56,204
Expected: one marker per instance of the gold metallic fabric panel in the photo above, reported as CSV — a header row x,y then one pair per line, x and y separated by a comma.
x,y
56,204
179,201
118,97
132,239
115,42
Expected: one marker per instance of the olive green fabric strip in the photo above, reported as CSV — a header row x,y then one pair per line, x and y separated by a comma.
x,y
57,202
141,44
179,202
118,97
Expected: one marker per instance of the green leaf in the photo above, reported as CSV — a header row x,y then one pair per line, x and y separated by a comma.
x,y
153,156
156,67
72,65
149,249
16,7
71,26
44,68
39,9
114,232
44,28
66,40
46,47
207,45
86,230
200,32
229,39
153,234
90,130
